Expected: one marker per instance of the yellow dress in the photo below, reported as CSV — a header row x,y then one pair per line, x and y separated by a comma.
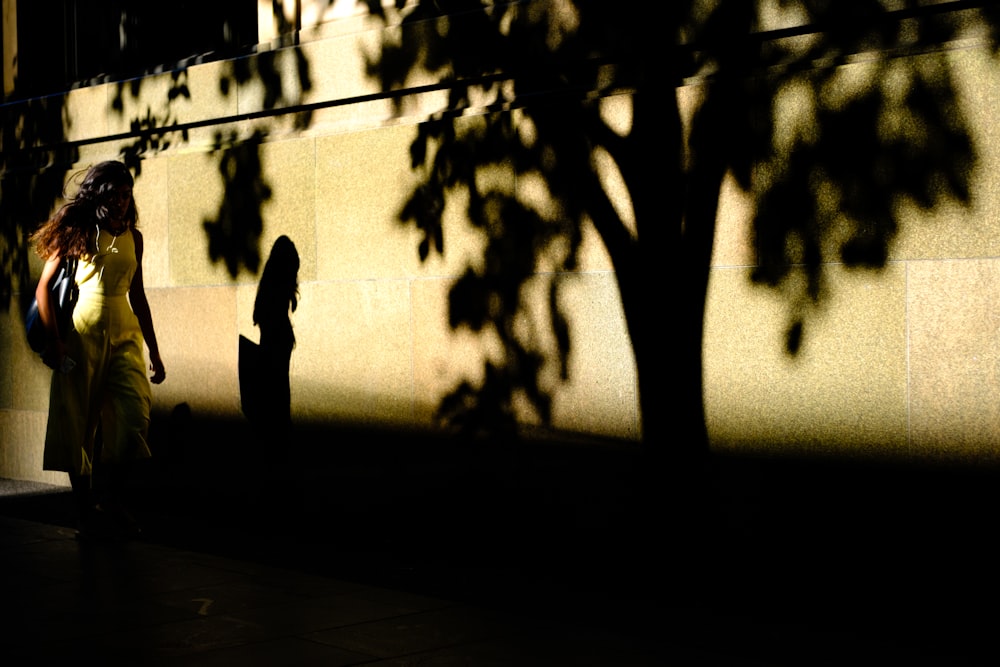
x,y
108,385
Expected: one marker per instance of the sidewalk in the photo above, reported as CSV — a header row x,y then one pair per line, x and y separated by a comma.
x,y
141,603
392,559
144,604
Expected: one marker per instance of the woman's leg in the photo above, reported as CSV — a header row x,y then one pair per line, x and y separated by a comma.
x,y
114,500
83,499
124,429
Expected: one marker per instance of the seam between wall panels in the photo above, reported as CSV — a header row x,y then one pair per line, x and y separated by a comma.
x,y
413,350
908,372
315,198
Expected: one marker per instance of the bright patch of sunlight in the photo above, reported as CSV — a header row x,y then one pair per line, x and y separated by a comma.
x,y
765,175
909,32
533,192
442,27
526,129
829,198
826,192
615,187
495,178
508,89
531,324
533,327
563,21
689,100
896,120
701,10
616,112
776,14
337,9
553,258
896,79
794,116
779,15
847,83
506,21
934,69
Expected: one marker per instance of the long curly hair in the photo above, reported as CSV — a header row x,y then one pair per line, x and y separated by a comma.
x,y
68,232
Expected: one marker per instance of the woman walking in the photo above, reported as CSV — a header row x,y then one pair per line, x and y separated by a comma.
x,y
107,390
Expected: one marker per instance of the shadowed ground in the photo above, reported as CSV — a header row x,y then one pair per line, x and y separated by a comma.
x,y
787,556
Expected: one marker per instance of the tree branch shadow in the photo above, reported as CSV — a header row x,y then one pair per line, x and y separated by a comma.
x,y
827,158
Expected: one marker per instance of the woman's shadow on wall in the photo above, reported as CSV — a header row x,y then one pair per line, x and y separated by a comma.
x,y
265,393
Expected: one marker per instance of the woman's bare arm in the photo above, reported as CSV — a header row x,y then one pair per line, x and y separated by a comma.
x,y
55,348
140,306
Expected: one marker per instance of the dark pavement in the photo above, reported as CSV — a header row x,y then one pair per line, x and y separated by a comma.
x,y
349,548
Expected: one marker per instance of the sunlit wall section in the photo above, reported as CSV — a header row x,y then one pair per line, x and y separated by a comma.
x,y
843,393
953,292
955,359
897,363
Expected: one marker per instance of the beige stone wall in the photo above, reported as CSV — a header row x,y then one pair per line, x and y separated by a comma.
x,y
897,364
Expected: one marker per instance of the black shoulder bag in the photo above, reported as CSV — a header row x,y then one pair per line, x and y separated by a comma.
x,y
64,294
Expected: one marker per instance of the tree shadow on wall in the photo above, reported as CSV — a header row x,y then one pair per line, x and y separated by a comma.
x,y
34,165
831,126
494,296
233,235
838,193
154,131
